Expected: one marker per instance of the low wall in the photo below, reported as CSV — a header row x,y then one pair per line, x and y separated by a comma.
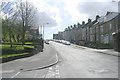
x,y
36,50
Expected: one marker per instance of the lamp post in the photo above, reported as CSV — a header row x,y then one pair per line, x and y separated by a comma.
x,y
44,29
43,32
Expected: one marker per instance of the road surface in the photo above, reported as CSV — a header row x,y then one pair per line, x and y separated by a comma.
x,y
74,62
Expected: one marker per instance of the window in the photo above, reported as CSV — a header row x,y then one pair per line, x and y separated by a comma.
x,y
106,39
111,37
110,26
101,29
97,38
102,39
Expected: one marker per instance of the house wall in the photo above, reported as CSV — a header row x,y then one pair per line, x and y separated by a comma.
x,y
101,31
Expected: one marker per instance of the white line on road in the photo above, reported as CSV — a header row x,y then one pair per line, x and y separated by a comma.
x,y
35,74
15,74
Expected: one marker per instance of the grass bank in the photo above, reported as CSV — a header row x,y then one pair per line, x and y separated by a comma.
x,y
15,50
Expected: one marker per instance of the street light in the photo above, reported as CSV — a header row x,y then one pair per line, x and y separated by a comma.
x,y
43,32
44,29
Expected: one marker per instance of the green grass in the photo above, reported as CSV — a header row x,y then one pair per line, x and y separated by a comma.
x,y
11,55
28,46
16,50
14,43
28,43
14,47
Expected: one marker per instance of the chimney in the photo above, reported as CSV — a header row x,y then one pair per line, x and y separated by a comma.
x,y
89,20
83,22
78,25
108,12
97,17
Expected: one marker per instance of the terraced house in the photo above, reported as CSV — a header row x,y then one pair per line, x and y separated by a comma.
x,y
108,24
103,32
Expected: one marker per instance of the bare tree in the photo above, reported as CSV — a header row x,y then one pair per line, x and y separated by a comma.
x,y
27,14
21,18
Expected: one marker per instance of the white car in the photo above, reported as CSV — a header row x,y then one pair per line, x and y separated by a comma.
x,y
67,43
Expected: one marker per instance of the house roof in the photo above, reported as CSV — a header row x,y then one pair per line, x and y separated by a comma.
x,y
107,17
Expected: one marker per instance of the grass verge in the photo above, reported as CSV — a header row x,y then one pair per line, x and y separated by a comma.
x,y
16,50
12,55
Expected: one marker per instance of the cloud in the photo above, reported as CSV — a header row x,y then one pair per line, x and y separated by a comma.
x,y
96,8
46,13
81,10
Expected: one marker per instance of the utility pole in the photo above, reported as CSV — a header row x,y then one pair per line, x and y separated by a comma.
x,y
43,32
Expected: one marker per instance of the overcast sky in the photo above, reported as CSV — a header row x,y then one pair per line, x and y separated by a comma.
x,y
62,13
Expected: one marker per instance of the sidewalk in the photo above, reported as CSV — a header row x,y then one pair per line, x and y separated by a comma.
x,y
39,61
103,51
46,58
107,51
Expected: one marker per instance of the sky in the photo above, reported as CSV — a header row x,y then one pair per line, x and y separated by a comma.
x,y
56,15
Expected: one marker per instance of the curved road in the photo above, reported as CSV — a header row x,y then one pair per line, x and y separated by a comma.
x,y
75,62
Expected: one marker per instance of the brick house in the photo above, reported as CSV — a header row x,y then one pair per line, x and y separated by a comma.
x,y
85,32
92,30
79,34
116,34
108,25
55,36
104,31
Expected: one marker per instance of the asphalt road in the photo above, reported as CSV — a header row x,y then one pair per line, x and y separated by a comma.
x,y
76,62
30,67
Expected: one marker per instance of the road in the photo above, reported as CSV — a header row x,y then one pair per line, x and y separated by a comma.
x,y
74,62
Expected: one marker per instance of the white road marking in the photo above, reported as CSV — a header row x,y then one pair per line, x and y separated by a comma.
x,y
35,74
57,73
9,71
50,68
15,74
57,70
53,72
43,76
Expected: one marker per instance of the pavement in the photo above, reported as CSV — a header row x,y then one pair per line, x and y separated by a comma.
x,y
103,51
31,67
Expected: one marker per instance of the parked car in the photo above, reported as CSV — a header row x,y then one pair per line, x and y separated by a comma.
x,y
67,43
46,41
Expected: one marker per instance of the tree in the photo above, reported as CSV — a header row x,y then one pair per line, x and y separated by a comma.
x,y
26,14
10,16
17,22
